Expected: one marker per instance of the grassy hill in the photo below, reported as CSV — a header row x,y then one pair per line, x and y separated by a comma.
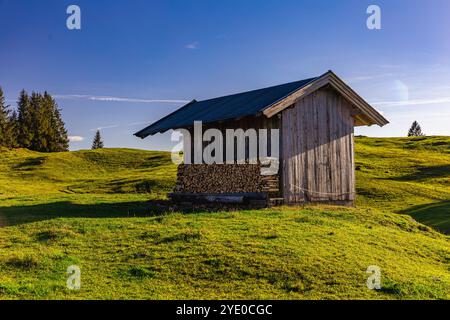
x,y
90,208
406,175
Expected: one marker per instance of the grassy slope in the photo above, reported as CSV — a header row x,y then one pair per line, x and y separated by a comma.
x,y
34,186
80,207
406,175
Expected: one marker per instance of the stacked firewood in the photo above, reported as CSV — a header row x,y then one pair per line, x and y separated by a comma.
x,y
223,178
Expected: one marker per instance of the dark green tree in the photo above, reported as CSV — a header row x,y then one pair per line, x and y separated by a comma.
x,y
3,118
415,130
39,123
24,121
14,129
7,124
97,143
41,126
59,140
4,121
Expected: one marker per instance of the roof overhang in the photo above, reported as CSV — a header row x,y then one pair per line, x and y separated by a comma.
x,y
367,115
143,133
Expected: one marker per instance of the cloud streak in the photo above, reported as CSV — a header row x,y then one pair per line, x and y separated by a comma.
x,y
363,78
121,125
115,99
411,102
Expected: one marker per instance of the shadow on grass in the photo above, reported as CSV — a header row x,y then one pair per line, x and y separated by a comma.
x,y
428,172
436,215
30,163
124,185
15,215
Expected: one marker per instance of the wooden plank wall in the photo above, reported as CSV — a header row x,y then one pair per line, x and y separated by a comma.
x,y
317,149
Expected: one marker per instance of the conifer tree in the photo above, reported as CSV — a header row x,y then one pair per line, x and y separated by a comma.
x,y
97,143
8,124
59,139
5,134
41,126
4,114
14,129
415,130
24,121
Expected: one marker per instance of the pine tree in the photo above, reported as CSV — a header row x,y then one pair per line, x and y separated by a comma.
x,y
97,143
415,130
51,135
41,126
14,129
24,121
4,116
7,134
59,138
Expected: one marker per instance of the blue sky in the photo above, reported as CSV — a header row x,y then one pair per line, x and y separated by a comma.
x,y
135,61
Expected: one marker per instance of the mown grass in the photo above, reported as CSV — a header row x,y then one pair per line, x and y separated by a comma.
x,y
282,253
89,208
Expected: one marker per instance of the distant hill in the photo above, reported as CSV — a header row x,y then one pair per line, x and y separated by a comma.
x,y
90,208
109,171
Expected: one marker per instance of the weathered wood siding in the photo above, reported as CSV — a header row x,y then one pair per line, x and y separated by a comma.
x,y
317,149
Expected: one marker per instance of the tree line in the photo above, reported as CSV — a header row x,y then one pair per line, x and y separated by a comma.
x,y
36,125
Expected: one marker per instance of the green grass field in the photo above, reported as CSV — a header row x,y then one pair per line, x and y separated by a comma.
x,y
91,209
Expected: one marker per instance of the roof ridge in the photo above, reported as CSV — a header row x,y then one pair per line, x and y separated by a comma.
x,y
260,89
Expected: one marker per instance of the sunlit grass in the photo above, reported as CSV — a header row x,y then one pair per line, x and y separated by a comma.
x,y
90,208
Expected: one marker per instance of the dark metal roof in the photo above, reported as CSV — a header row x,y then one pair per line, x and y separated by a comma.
x,y
223,108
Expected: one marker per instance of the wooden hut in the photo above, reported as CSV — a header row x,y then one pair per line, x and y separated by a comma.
x,y
315,119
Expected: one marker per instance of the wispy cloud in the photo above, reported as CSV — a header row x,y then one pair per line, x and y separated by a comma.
x,y
115,99
120,125
192,45
76,138
411,102
105,127
369,77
